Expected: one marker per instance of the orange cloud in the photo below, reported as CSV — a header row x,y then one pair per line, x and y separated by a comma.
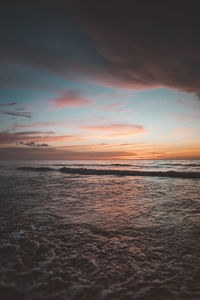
x,y
18,153
7,138
130,150
90,146
107,146
100,151
61,138
117,130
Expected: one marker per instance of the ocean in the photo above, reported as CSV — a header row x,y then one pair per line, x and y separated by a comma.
x,y
100,230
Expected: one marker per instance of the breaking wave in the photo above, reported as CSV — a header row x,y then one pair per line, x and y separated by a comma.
x,y
85,171
181,165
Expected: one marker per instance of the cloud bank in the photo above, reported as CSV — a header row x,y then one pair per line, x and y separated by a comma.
x,y
130,44
146,43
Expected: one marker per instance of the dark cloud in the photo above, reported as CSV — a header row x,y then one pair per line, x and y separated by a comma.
x,y
22,133
42,145
9,138
33,144
8,104
44,36
35,136
30,144
146,43
15,113
134,44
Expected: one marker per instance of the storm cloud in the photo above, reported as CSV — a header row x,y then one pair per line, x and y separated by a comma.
x,y
146,43
128,44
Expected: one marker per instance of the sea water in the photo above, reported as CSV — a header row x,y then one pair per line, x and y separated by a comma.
x,y
79,236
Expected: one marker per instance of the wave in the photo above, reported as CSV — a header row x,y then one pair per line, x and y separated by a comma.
x,y
151,166
123,165
84,171
131,173
181,164
39,169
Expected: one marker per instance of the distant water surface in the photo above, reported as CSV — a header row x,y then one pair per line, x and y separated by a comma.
x,y
148,165
73,236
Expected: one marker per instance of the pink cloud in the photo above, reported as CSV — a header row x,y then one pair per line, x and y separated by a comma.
x,y
182,132
70,99
114,107
186,117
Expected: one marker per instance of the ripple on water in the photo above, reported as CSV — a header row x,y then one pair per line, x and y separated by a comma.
x,y
89,238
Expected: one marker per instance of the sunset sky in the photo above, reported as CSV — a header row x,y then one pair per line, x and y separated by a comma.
x,y
99,80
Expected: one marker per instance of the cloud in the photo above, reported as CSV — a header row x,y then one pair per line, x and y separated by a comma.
x,y
40,124
109,147
31,153
115,127
9,138
42,145
25,133
186,117
69,122
30,144
33,144
182,132
70,99
113,107
8,104
35,137
145,44
116,130
15,113
136,44
54,45
61,138
31,150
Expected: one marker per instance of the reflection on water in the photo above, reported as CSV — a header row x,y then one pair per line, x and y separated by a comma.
x,y
91,237
117,202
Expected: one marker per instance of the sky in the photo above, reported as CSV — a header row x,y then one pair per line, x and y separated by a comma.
x,y
99,80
